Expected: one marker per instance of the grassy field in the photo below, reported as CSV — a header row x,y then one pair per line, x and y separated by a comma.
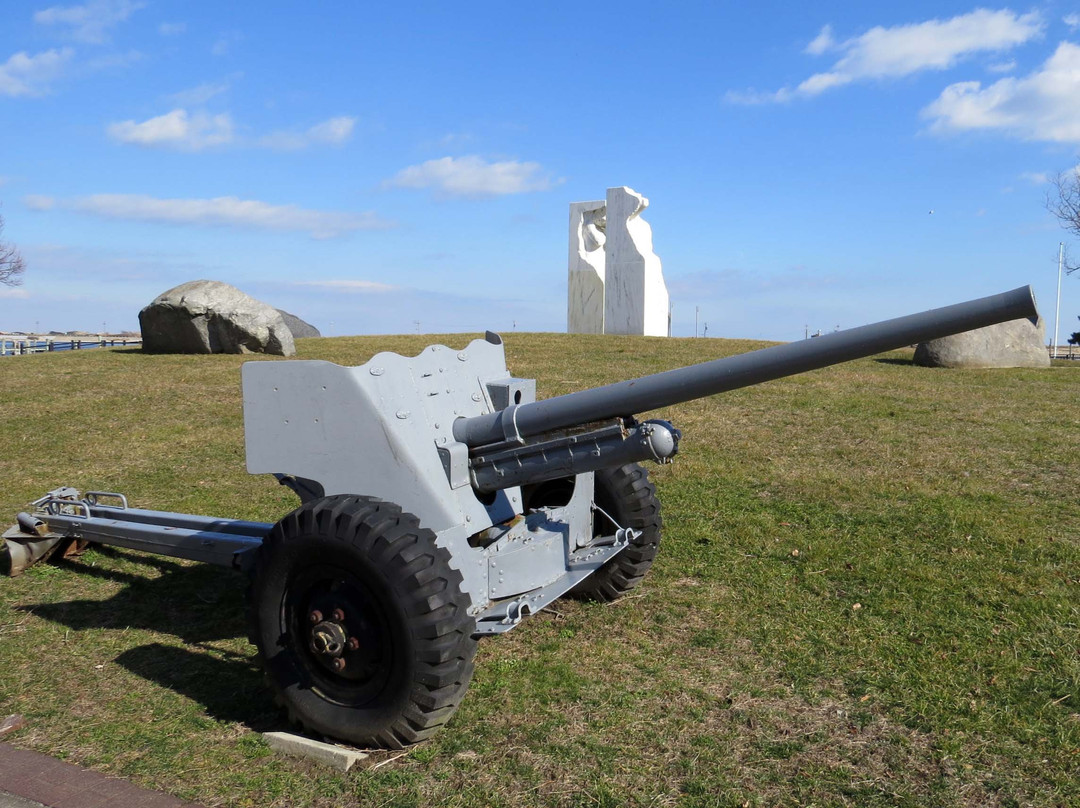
x,y
868,594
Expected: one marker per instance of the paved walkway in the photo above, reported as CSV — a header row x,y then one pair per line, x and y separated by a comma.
x,y
32,780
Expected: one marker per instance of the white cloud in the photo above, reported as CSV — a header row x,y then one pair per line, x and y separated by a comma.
x,y
755,97
1072,20
473,177
709,284
822,42
334,132
176,130
1035,177
91,21
60,262
1045,105
39,202
23,74
1002,67
223,44
453,140
111,61
196,131
224,211
884,53
172,28
7,291
349,286
198,96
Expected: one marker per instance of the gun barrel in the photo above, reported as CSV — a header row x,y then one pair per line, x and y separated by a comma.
x,y
721,375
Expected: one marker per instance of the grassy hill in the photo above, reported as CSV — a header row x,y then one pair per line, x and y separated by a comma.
x,y
868,594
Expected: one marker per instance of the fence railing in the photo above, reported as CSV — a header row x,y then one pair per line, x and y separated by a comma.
x,y
19,344
1064,352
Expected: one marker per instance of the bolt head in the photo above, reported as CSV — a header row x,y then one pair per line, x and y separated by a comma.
x,y
338,664
338,615
315,617
353,644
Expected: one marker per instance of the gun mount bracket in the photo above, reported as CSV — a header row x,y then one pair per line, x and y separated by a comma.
x,y
515,611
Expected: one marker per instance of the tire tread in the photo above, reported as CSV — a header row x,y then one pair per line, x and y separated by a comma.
x,y
630,496
379,533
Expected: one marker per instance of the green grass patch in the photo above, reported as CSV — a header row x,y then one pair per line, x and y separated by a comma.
x,y
868,594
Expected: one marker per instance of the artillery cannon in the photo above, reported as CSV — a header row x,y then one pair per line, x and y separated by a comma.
x,y
439,502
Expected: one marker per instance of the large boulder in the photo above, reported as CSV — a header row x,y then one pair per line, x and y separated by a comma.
x,y
213,317
298,327
1015,344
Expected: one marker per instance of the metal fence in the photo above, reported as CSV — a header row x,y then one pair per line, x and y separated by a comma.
x,y
18,344
1064,352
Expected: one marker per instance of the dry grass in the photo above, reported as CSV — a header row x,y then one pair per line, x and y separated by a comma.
x,y
943,504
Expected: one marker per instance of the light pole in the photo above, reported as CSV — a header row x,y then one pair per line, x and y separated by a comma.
x,y
1057,312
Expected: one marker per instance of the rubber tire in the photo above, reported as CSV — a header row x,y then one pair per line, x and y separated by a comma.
x,y
416,596
627,494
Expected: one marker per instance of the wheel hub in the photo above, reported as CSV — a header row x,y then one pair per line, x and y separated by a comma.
x,y
332,617
328,639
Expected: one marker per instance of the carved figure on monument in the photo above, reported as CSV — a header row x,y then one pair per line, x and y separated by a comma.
x,y
585,284
635,296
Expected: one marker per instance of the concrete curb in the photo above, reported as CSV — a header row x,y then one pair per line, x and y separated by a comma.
x,y
337,757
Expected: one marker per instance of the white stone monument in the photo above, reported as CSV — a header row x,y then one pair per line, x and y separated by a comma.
x,y
615,284
585,285
635,295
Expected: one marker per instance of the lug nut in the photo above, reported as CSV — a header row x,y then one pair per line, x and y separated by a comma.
x,y
315,617
353,643
338,664
338,615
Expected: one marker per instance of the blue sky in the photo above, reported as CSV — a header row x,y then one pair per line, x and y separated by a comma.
x,y
387,168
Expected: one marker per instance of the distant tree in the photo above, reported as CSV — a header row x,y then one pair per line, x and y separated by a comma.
x,y
1063,200
1075,338
11,263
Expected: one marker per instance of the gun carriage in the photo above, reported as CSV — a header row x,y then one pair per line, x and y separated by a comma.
x,y
440,501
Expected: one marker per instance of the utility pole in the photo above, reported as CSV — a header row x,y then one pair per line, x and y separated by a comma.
x,y
696,309
1057,313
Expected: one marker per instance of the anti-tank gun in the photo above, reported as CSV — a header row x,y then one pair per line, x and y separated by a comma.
x,y
440,502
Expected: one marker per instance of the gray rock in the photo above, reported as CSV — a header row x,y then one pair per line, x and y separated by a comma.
x,y
1015,344
213,317
298,327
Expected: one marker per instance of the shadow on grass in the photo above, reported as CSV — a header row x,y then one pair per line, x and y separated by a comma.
x,y
229,689
890,360
198,604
